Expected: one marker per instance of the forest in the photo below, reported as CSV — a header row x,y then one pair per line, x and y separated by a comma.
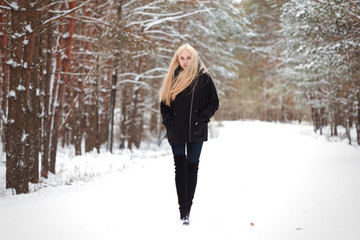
x,y
87,73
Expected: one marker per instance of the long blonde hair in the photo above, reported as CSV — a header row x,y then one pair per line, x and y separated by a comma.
x,y
173,86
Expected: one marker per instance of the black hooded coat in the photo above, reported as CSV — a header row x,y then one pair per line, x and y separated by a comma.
x,y
187,117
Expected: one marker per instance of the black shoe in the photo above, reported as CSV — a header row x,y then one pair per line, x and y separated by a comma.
x,y
186,221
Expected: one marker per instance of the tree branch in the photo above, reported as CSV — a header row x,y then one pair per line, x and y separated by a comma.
x,y
3,117
4,7
10,6
45,23
162,20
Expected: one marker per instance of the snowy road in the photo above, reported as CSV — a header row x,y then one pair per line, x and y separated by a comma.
x,y
256,181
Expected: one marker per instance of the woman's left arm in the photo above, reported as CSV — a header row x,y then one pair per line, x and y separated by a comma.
x,y
212,101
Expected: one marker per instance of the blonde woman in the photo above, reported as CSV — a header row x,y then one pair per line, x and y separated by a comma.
x,y
188,100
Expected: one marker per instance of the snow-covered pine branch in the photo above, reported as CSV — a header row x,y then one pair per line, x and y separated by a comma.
x,y
64,14
165,19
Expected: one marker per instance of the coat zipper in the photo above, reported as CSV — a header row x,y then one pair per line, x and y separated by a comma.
x,y
191,107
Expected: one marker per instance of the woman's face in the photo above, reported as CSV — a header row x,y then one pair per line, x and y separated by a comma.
x,y
184,58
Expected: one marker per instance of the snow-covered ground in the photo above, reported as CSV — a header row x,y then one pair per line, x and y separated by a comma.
x,y
256,181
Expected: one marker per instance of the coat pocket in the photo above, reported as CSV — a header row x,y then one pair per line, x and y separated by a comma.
x,y
200,129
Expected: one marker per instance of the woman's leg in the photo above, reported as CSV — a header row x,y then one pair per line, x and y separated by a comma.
x,y
181,168
193,151
178,149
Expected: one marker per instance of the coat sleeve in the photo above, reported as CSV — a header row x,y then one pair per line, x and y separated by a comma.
x,y
165,112
213,101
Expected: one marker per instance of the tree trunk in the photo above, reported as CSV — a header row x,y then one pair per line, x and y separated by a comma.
x,y
13,129
97,95
4,74
91,127
31,108
90,141
65,63
320,119
132,130
358,119
313,116
336,120
77,131
54,95
46,118
16,133
77,120
123,117
53,101
34,105
135,122
347,123
78,96
154,124
4,19
109,147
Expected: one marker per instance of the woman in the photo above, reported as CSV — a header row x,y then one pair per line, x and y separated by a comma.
x,y
188,100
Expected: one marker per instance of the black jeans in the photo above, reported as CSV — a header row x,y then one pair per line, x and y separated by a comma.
x,y
193,150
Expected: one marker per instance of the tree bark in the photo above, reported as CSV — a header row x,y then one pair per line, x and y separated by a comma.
x,y
46,118
65,63
34,103
114,80
109,147
123,117
347,123
314,118
13,129
16,133
135,121
97,94
358,119
77,131
4,19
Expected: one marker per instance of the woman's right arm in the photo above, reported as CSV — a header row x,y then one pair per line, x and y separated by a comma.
x,y
166,112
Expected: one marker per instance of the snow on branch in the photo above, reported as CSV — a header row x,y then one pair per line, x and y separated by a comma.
x,y
12,5
160,21
155,70
77,74
3,116
157,14
145,74
129,3
69,113
87,19
4,7
64,14
147,106
160,18
135,82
